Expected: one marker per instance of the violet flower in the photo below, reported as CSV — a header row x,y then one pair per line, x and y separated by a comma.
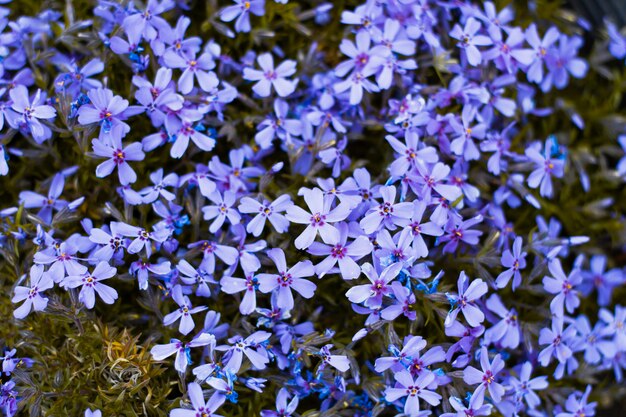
x,y
563,287
31,111
413,389
318,220
200,407
342,253
372,294
118,155
222,210
465,301
105,109
249,347
266,211
287,279
40,281
241,11
249,284
31,199
282,408
183,312
160,352
388,214
487,377
515,261
91,284
269,77
469,40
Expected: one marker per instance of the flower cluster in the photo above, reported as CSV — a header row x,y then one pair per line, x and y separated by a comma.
x,y
379,230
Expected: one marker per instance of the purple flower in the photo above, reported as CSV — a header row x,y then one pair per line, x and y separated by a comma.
x,y
158,98
222,210
372,294
417,228
141,268
465,301
288,333
579,407
39,282
318,219
249,347
404,300
249,284
184,311
339,251
160,352
545,168
241,10
564,61
508,54
410,154
603,281
94,413
487,377
148,23
62,259
190,276
463,144
150,194
269,77
266,211
459,231
432,179
468,40
563,287
592,341
195,68
287,279
388,213
277,126
413,389
78,78
118,155
91,283
210,249
475,407
141,237
339,362
506,332
617,45
112,241
515,261
400,359
200,407
105,109
524,387
187,132
282,408
356,83
541,47
32,200
31,111
557,340
616,325
362,56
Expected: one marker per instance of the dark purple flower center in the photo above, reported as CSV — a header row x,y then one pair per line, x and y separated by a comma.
x,y
385,209
284,279
119,156
318,219
338,251
488,377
